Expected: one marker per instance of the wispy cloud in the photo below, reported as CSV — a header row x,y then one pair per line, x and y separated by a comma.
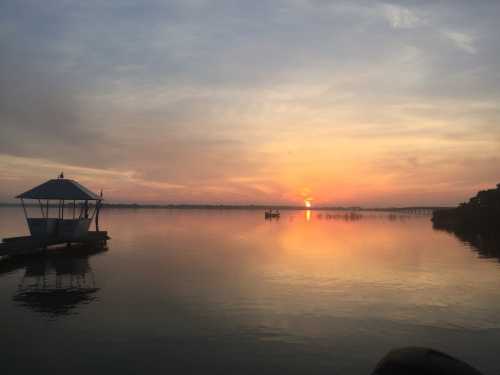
x,y
400,17
462,41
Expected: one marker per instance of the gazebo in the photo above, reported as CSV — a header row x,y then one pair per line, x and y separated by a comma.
x,y
58,211
73,213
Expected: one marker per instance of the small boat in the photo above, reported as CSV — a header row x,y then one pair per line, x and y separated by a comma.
x,y
272,214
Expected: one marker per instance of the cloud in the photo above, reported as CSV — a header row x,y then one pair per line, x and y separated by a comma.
x,y
400,17
243,101
462,41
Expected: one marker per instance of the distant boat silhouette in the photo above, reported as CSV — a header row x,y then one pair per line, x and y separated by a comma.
x,y
272,214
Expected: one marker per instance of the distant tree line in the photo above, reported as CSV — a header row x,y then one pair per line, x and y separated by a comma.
x,y
480,213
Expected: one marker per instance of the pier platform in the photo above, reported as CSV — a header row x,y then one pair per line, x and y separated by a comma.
x,y
29,245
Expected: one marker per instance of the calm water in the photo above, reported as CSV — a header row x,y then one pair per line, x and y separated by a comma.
x,y
207,291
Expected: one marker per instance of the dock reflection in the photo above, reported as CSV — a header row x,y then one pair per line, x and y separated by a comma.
x,y
57,282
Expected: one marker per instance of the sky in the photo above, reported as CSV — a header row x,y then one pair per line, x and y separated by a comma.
x,y
369,103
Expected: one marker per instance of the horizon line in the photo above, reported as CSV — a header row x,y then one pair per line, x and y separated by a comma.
x,y
248,206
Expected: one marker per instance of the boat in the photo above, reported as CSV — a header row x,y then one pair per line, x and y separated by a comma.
x,y
272,214
64,216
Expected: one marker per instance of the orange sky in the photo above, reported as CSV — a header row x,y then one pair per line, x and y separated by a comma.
x,y
343,103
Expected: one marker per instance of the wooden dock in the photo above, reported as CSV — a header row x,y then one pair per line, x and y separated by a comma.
x,y
30,245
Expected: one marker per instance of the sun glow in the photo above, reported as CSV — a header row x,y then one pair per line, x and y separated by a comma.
x,y
307,204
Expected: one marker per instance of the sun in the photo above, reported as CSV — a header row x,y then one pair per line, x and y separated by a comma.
x,y
307,204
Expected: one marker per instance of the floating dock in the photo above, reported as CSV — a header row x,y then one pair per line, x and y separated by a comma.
x,y
30,245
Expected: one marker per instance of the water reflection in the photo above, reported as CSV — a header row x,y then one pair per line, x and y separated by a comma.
x,y
487,244
355,216
225,291
57,282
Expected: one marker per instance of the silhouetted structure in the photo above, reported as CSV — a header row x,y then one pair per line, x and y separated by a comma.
x,y
46,230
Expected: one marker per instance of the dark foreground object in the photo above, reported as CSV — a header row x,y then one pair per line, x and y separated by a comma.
x,y
30,245
422,361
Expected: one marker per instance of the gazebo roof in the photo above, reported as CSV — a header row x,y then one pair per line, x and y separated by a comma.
x,y
60,188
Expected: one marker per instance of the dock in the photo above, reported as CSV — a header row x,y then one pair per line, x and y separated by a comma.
x,y
30,245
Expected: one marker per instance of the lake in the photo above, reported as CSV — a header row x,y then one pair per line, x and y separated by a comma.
x,y
227,292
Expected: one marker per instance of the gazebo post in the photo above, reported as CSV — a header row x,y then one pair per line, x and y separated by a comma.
x,y
41,208
98,208
24,209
